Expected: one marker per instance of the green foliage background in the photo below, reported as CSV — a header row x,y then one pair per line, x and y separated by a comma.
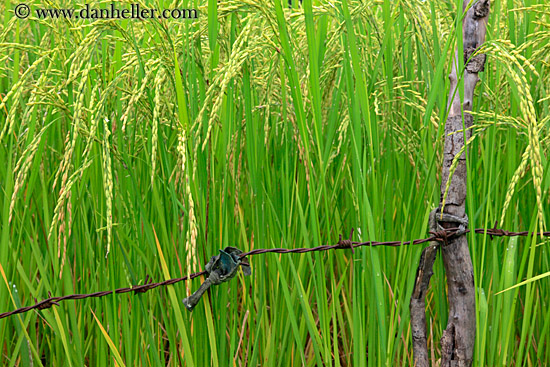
x,y
141,147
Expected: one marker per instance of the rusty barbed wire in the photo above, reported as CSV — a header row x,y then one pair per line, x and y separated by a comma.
x,y
440,236
47,303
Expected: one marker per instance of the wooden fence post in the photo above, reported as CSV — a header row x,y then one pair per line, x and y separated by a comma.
x,y
457,342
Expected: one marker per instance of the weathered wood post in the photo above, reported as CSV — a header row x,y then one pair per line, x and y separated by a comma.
x,y
457,342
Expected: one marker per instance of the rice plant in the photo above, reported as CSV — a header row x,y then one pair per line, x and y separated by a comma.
x,y
134,148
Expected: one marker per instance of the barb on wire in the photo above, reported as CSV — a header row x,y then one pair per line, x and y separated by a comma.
x,y
440,236
347,243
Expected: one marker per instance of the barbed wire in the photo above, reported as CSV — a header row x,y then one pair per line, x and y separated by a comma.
x,y
440,236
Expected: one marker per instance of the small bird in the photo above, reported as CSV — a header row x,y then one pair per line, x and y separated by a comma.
x,y
220,269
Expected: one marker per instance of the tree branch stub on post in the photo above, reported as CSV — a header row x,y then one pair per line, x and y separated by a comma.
x,y
457,342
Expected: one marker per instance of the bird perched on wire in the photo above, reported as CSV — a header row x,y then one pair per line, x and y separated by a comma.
x,y
220,269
